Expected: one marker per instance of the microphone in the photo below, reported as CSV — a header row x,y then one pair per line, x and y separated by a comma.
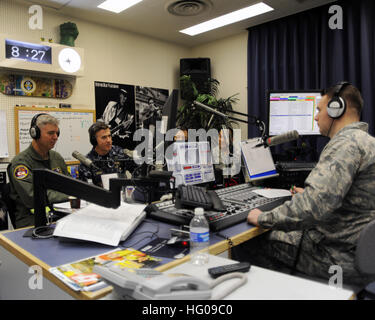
x,y
85,161
282,138
209,109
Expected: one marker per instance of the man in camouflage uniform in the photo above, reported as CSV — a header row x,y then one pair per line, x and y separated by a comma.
x,y
106,157
45,132
338,200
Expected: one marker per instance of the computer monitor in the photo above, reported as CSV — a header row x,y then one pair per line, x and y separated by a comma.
x,y
169,112
293,110
257,160
191,163
163,138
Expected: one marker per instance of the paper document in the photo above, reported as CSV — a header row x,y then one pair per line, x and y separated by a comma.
x,y
79,275
273,193
100,224
106,178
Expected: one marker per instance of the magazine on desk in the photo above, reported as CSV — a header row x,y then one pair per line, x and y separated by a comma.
x,y
100,224
79,275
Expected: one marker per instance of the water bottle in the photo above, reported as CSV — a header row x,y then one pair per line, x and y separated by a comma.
x,y
199,238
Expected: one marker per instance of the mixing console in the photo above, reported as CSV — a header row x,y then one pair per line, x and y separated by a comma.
x,y
238,200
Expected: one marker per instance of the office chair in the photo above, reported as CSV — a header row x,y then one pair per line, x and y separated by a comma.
x,y
365,259
10,204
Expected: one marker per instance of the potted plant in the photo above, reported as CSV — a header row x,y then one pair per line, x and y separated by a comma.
x,y
190,116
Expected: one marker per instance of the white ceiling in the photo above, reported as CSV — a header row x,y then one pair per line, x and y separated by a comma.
x,y
152,17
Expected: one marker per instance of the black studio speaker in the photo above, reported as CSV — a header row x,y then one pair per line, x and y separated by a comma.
x,y
199,70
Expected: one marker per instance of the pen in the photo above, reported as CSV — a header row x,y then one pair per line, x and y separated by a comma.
x,y
292,189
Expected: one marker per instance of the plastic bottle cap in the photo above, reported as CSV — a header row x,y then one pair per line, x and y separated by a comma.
x,y
199,211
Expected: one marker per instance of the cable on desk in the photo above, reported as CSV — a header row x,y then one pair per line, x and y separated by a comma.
x,y
225,292
153,233
39,232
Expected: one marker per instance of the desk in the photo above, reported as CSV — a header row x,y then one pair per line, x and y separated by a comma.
x,y
18,254
266,284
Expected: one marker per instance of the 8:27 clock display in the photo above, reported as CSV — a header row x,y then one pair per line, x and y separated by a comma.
x,y
28,51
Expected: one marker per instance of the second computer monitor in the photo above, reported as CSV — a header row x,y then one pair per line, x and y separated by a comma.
x,y
293,110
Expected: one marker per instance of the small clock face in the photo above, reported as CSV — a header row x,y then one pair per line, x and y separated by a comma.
x,y
27,51
69,60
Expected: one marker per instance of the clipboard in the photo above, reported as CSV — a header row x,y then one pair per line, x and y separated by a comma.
x,y
258,161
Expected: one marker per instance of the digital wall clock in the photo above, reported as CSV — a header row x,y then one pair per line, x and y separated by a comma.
x,y
28,51
44,57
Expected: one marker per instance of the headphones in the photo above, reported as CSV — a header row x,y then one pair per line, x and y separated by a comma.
x,y
94,128
92,134
34,129
336,106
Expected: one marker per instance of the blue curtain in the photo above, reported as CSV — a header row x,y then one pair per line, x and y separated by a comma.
x,y
302,52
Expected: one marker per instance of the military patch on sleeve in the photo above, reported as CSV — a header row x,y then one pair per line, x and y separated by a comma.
x,y
57,169
21,172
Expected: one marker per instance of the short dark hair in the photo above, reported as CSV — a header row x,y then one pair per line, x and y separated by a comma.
x,y
350,94
94,128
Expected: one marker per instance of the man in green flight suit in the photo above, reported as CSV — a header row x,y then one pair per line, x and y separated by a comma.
x,y
45,131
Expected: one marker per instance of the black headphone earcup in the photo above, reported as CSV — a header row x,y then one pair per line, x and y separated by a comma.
x,y
336,107
93,139
34,132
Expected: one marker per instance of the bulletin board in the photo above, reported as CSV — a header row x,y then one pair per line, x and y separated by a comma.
x,y
74,125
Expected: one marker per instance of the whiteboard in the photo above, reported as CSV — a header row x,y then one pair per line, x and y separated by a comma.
x,y
74,125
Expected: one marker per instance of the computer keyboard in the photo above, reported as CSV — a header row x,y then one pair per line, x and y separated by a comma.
x,y
295,166
194,196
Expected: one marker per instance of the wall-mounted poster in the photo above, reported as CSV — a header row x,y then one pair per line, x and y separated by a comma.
x,y
149,104
115,105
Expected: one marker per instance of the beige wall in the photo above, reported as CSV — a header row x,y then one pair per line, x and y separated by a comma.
x,y
116,56
229,66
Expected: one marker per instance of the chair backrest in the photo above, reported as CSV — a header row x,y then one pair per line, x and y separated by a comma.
x,y
10,204
365,251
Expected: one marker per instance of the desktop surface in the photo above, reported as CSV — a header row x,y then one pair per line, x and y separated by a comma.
x,y
264,284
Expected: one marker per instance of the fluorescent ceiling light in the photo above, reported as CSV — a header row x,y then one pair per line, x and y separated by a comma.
x,y
229,18
117,5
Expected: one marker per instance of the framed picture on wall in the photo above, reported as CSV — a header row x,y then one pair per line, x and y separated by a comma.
x,y
149,103
115,105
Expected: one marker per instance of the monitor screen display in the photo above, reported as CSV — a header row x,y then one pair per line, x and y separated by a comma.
x,y
257,160
293,110
191,163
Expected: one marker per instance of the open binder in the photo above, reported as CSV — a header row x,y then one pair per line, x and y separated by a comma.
x,y
99,224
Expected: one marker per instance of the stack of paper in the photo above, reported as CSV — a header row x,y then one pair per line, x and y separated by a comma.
x,y
100,224
79,275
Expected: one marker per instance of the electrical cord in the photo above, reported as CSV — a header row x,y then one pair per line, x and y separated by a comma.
x,y
42,232
153,233
226,291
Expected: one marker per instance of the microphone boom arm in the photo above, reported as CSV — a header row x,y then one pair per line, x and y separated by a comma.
x,y
253,120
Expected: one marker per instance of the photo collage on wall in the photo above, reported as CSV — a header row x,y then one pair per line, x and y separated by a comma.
x,y
126,108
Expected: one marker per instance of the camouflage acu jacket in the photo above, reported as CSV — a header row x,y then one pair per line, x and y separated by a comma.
x,y
338,200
